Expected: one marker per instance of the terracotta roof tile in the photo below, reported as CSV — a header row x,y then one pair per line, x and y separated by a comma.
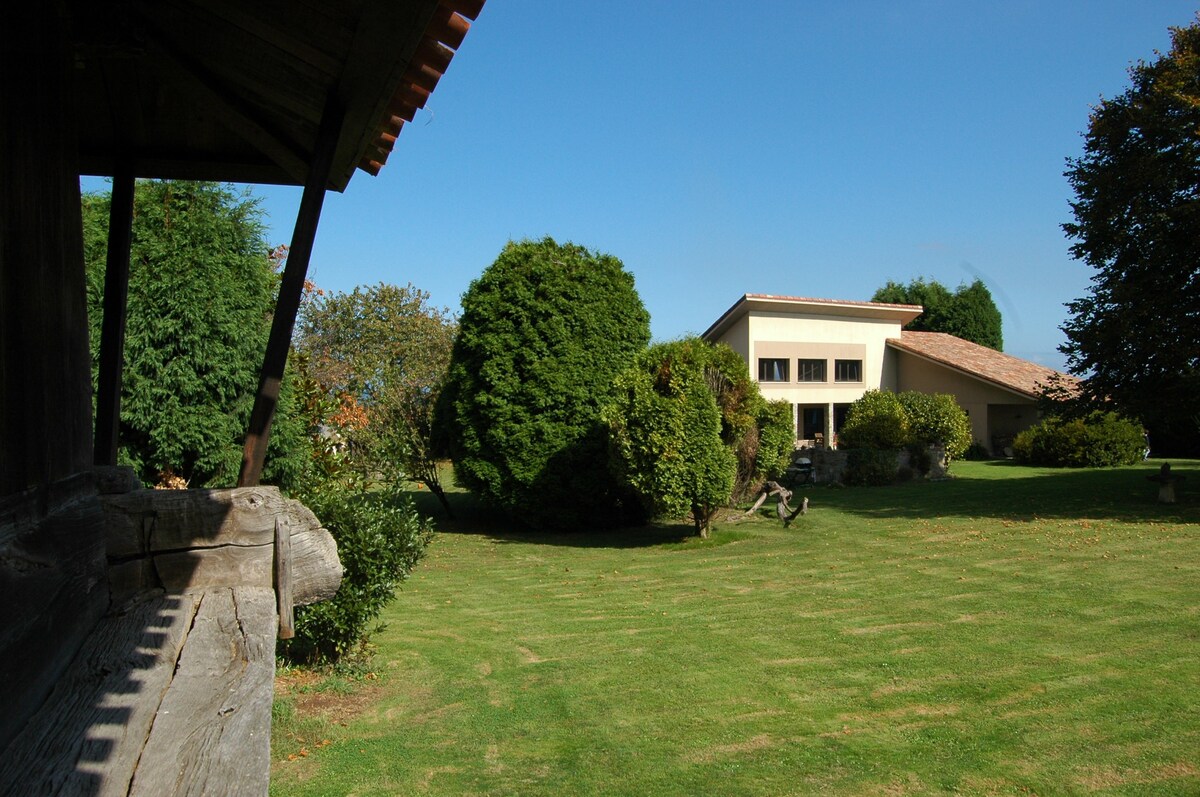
x,y
442,37
1021,376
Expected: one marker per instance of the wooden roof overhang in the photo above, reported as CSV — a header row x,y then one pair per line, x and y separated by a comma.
x,y
292,92
232,91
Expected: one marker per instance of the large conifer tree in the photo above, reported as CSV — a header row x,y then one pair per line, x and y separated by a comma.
x,y
543,333
201,292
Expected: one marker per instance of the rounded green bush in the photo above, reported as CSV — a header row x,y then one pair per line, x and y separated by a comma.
x,y
544,331
1097,440
876,420
936,419
380,537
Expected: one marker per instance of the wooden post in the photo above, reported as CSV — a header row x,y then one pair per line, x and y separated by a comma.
x,y
112,332
283,578
290,291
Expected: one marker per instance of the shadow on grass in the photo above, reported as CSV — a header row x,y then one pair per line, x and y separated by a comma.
x,y
1002,489
472,516
994,489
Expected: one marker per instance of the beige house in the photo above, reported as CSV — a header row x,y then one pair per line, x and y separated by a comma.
x,y
820,355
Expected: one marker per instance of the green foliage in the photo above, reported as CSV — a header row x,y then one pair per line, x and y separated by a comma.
x,y
977,452
1134,338
201,293
665,432
936,418
380,538
876,420
1101,439
870,467
969,313
776,439
380,356
748,422
544,331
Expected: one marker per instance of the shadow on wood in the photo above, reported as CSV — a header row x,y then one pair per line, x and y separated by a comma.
x,y
172,691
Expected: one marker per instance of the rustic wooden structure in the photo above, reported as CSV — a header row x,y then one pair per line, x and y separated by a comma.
x,y
1166,483
299,94
783,509
185,657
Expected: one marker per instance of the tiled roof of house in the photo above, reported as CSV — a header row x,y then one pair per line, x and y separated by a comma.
x,y
1013,373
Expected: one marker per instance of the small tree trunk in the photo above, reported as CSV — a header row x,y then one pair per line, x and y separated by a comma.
x,y
437,490
700,518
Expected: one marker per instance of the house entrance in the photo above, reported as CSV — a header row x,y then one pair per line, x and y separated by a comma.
x,y
812,423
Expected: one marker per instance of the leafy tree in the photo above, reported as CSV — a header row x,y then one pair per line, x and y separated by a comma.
x,y
972,315
543,333
201,292
932,296
969,313
381,354
1135,337
936,419
665,426
761,435
776,442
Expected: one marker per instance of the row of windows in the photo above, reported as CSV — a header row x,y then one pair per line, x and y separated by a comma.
x,y
775,369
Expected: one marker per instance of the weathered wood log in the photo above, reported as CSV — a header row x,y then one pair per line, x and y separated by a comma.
x,y
800,510
113,479
770,488
212,732
52,589
283,579
87,738
194,539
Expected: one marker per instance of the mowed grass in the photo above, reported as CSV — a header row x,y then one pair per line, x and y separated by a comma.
x,y
1011,631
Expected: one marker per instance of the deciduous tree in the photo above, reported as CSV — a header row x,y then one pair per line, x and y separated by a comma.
x,y
665,429
969,312
1135,337
382,353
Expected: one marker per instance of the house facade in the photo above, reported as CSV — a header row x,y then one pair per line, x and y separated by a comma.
x,y
820,355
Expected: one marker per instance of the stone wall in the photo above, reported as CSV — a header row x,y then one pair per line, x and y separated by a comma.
x,y
829,465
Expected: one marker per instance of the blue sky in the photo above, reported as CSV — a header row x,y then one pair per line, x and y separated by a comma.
x,y
720,148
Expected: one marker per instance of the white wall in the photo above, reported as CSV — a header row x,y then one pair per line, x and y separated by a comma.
x,y
796,336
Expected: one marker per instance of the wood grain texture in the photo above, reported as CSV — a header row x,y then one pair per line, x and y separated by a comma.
x,y
212,732
88,736
52,591
197,539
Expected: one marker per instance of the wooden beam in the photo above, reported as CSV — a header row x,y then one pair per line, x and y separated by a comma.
x,y
290,290
283,578
112,331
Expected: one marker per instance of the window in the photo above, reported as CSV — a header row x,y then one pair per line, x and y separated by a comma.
x,y
810,371
772,369
847,370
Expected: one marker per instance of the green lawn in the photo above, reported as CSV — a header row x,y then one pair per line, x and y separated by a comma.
x,y
1012,631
